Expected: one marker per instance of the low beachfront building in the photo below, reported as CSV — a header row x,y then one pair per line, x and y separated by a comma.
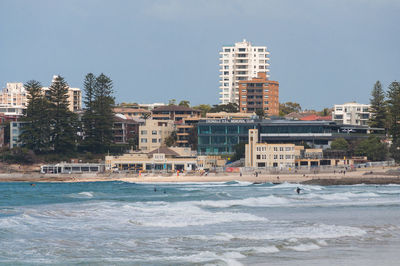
x,y
268,155
161,159
72,168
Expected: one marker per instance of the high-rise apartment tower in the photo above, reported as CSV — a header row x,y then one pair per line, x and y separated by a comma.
x,y
241,61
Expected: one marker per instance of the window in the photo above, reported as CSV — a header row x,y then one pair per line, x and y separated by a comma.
x,y
281,156
242,49
275,148
143,132
226,67
260,49
280,148
226,50
275,156
143,140
154,140
154,132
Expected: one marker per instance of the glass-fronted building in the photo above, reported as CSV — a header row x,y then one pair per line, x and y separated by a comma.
x,y
219,136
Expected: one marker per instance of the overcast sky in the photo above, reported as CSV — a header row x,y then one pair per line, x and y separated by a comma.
x,y
322,52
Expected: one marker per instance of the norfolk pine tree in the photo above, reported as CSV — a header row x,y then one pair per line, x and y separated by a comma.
x,y
63,122
103,110
393,105
89,118
35,135
378,107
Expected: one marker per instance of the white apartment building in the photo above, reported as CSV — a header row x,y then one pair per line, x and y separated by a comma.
x,y
351,114
241,61
13,98
153,133
268,155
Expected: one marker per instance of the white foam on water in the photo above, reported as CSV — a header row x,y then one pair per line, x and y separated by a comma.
x,y
262,250
229,257
291,233
340,196
294,185
322,243
83,194
216,237
86,194
388,191
304,247
163,214
250,202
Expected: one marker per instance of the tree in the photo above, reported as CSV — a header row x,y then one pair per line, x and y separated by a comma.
x,y
289,107
103,111
172,102
325,112
260,113
184,103
146,116
373,148
204,108
229,108
171,139
378,107
63,122
89,117
36,132
339,144
393,108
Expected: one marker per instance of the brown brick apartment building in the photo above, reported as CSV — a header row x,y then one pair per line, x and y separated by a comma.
x,y
259,94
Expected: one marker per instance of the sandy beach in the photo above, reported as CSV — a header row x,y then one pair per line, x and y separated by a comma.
x,y
377,175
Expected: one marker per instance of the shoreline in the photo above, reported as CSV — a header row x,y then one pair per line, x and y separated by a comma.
x,y
376,176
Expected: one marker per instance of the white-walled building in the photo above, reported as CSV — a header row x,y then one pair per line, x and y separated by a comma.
x,y
351,114
268,155
241,61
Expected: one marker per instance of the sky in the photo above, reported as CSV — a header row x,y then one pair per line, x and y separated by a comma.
x,y
323,52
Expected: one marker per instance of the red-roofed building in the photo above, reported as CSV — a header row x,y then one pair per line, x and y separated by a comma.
x,y
314,117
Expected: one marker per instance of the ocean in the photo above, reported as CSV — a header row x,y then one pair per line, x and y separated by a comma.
x,y
233,223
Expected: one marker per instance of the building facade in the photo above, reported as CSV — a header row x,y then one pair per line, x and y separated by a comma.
x,y
259,94
13,99
125,131
219,136
163,159
131,112
268,155
152,133
241,61
351,114
174,112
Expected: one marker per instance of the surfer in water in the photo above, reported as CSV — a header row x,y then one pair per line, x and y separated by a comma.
x,y
298,190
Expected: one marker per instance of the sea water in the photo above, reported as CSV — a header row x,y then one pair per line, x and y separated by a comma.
x,y
233,223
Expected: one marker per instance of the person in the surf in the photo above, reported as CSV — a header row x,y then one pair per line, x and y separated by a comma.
x,y
298,190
